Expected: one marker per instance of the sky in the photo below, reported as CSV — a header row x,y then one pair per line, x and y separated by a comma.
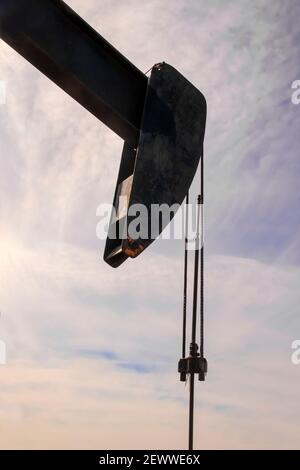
x,y
91,351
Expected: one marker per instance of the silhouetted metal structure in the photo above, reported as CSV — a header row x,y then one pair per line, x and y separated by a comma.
x,y
59,43
161,120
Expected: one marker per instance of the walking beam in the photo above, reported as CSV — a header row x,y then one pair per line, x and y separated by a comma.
x,y
73,55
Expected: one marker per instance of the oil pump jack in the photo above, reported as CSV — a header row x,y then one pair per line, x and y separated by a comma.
x,y
161,119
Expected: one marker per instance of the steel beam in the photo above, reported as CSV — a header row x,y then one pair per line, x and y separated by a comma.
x,y
73,55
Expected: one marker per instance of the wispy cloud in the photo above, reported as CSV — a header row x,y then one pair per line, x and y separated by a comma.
x,y
92,352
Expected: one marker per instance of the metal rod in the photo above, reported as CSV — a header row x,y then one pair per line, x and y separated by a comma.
x,y
185,275
202,302
196,274
193,345
74,56
202,261
191,412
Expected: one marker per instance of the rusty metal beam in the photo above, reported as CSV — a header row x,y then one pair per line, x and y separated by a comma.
x,y
73,55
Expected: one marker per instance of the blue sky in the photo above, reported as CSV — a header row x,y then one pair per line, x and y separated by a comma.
x,y
92,352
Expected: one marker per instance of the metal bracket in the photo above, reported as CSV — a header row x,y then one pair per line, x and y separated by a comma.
x,y
193,364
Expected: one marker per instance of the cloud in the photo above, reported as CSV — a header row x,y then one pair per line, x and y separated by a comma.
x,y
115,366
80,335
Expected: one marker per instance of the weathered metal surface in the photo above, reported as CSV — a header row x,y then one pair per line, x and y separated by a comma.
x,y
167,157
73,55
